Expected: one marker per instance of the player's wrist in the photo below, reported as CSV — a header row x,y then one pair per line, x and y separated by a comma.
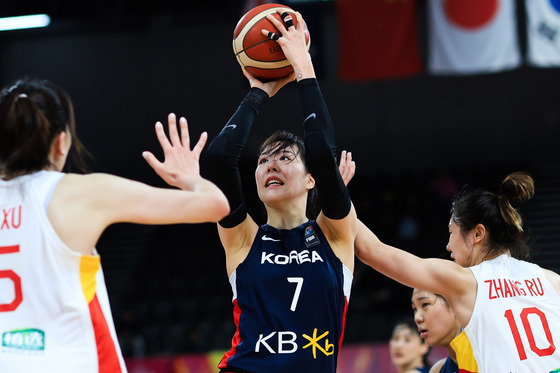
x,y
305,73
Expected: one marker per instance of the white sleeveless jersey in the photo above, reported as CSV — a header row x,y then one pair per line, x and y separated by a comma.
x,y
54,309
515,324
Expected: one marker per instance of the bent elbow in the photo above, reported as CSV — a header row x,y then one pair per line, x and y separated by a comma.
x,y
222,208
218,207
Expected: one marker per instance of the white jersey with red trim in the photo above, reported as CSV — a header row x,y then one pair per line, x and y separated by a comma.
x,y
515,324
54,308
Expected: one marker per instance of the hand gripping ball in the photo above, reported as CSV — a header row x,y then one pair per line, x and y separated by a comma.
x,y
259,55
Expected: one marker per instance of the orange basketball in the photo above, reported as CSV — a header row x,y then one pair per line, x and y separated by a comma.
x,y
261,56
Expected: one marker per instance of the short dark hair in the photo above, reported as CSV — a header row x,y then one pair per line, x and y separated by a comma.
x,y
281,140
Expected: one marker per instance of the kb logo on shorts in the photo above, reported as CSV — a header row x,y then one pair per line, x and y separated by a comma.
x,y
286,343
314,343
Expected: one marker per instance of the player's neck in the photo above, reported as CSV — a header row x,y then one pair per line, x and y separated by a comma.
x,y
285,220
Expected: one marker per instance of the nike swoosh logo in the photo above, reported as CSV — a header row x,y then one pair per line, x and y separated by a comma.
x,y
312,115
230,125
266,238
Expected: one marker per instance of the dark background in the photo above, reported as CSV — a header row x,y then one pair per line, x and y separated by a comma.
x,y
127,64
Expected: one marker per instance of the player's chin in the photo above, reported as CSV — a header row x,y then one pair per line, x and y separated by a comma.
x,y
273,197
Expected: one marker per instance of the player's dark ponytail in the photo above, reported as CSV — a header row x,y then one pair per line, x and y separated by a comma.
x,y
497,213
516,186
32,113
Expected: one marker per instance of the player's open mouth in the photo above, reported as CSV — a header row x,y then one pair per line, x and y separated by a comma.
x,y
273,181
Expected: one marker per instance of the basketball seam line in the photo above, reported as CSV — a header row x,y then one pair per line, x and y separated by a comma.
x,y
254,45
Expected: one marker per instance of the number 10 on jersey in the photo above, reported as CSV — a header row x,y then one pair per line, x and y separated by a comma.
x,y
536,314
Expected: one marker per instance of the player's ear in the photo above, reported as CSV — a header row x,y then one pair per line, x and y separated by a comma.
x,y
479,233
310,181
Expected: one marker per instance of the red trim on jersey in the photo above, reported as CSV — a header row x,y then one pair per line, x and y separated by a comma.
x,y
106,350
236,339
343,322
9,249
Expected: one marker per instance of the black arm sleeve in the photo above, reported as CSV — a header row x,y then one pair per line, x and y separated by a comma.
x,y
224,152
321,152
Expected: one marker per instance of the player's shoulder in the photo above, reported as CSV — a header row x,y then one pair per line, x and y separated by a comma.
x,y
553,278
436,368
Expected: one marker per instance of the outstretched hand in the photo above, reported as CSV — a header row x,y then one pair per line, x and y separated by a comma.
x,y
347,167
181,164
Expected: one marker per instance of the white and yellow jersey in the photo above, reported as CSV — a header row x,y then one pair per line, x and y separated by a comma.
x,y
515,323
54,309
464,354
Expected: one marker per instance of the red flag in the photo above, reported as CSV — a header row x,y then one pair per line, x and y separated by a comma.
x,y
378,39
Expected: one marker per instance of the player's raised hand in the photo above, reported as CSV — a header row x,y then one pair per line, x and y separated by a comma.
x,y
346,167
180,164
293,43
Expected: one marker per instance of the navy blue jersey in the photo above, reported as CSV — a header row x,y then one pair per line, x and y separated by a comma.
x,y
449,366
290,297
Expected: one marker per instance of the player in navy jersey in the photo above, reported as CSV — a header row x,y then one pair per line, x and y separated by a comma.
x,y
291,277
409,352
437,326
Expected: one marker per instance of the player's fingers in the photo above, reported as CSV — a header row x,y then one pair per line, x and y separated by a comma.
x,y
301,25
352,167
152,160
200,144
343,157
173,133
185,138
247,75
160,134
270,35
288,20
279,25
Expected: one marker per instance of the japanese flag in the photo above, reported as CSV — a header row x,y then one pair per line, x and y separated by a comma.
x,y
472,36
543,32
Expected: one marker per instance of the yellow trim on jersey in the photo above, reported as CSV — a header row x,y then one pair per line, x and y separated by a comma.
x,y
89,265
463,349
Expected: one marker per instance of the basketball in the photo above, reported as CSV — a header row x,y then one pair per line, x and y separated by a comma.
x,y
259,55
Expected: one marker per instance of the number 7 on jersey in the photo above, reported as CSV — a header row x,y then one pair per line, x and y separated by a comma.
x,y
299,283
